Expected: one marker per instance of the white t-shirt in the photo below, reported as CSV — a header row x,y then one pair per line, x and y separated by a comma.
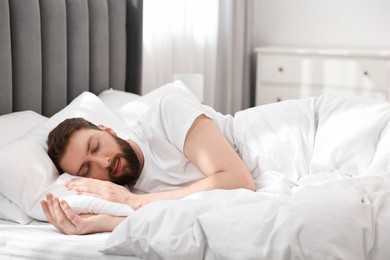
x,y
161,134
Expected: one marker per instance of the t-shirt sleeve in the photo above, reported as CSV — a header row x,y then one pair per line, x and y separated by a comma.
x,y
177,115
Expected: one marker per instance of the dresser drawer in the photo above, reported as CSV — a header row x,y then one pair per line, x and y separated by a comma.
x,y
274,93
337,71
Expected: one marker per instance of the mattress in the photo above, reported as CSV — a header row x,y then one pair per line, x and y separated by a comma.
x,y
40,240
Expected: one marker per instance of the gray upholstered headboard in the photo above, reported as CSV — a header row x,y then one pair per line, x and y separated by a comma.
x,y
52,50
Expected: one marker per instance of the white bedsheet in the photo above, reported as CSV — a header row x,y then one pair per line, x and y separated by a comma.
x,y
339,219
322,166
39,240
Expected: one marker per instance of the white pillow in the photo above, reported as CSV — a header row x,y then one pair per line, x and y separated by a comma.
x,y
9,211
15,125
115,99
12,127
128,108
86,204
27,171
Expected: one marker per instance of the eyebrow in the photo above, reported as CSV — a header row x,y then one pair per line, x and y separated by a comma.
x,y
88,147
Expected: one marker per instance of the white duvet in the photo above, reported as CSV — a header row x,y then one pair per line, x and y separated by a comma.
x,y
321,167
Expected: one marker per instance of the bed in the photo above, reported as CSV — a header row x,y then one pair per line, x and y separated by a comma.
x,y
323,186
321,164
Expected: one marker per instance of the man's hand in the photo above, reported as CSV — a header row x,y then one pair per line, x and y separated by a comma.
x,y
66,220
105,190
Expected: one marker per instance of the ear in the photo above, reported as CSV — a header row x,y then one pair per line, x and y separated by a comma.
x,y
107,129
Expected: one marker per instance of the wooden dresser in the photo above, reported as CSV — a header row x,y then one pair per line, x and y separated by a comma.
x,y
287,73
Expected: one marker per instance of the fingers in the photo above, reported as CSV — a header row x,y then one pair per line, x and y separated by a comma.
x,y
59,214
92,195
62,218
89,186
69,213
47,207
50,206
99,189
46,211
84,183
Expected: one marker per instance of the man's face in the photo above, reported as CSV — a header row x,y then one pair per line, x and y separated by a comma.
x,y
100,155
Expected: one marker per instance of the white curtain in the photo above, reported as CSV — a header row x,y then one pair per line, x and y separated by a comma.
x,y
209,37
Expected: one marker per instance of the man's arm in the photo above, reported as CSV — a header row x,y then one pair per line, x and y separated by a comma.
x,y
206,148
211,153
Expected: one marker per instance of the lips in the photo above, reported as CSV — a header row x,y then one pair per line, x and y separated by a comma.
x,y
118,166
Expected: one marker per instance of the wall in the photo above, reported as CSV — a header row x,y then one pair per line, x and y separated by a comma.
x,y
355,24
324,23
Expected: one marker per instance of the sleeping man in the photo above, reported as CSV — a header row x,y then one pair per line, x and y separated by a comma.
x,y
177,148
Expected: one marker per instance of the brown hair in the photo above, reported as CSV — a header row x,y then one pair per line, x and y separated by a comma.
x,y
59,137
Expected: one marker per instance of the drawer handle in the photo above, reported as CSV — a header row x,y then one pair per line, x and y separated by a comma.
x,y
280,69
365,73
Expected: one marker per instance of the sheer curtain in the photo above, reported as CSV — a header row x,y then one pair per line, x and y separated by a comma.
x,y
209,37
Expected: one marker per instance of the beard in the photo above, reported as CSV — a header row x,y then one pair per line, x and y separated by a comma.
x,y
130,171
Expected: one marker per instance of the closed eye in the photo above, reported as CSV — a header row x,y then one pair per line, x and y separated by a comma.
x,y
92,147
96,147
85,169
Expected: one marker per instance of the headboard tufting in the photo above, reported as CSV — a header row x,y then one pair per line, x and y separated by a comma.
x,y
52,50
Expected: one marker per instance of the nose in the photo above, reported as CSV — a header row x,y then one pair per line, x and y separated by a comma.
x,y
102,161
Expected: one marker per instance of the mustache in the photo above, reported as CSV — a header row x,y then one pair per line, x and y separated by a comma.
x,y
111,167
